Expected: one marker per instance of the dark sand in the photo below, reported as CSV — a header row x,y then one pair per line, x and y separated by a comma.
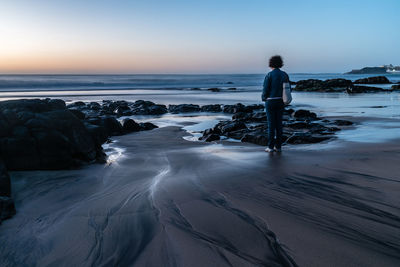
x,y
171,202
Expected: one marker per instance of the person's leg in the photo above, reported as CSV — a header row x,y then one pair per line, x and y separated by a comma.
x,y
278,118
271,124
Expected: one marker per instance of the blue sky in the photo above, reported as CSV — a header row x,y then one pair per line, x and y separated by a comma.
x,y
196,36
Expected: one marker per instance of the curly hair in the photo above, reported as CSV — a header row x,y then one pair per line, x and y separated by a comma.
x,y
276,62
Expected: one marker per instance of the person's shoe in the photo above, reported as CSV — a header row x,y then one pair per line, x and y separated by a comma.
x,y
279,150
269,150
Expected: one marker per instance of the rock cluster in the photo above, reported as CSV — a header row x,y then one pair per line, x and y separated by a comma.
x,y
342,85
331,85
119,108
43,134
46,134
248,124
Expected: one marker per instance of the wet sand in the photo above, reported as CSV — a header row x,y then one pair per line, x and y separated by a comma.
x,y
171,202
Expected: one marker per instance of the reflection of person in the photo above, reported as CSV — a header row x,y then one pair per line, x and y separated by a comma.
x,y
272,95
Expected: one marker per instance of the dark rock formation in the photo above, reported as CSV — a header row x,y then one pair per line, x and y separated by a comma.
x,y
239,107
43,134
7,208
330,85
304,114
141,107
183,108
117,108
211,108
130,125
396,87
214,89
212,137
145,126
373,80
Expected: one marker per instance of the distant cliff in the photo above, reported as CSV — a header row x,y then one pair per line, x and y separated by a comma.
x,y
369,70
376,70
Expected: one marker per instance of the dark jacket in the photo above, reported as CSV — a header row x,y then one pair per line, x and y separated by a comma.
x,y
273,84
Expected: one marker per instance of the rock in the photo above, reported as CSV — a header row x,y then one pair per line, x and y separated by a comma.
x,y
94,106
130,125
330,85
98,133
241,116
43,134
183,108
232,88
396,87
373,80
239,107
237,134
146,126
79,114
55,104
211,108
214,89
250,125
77,104
233,126
212,137
229,83
304,114
112,125
141,107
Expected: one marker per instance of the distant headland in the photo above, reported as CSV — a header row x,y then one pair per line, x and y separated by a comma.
x,y
386,69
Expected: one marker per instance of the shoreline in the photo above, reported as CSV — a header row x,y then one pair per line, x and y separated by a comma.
x,y
320,205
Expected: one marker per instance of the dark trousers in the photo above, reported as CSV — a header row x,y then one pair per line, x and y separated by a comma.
x,y
274,108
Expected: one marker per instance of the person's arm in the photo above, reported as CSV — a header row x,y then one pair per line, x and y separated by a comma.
x,y
288,81
266,88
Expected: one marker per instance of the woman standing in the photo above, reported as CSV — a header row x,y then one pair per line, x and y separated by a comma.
x,y
272,95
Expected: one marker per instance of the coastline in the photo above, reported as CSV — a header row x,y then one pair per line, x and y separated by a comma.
x,y
335,207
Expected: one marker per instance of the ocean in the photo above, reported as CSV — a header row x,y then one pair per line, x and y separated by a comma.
x,y
178,89
32,83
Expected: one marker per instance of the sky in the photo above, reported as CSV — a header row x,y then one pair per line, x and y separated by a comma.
x,y
183,36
